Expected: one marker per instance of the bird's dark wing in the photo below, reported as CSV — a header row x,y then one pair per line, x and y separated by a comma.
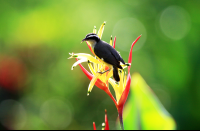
x,y
108,53
116,55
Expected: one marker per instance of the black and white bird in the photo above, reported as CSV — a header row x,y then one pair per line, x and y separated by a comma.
x,y
106,53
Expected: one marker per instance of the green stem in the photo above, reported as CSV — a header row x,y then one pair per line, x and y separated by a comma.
x,y
121,122
120,113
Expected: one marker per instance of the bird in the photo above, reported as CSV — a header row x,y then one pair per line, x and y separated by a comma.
x,y
105,52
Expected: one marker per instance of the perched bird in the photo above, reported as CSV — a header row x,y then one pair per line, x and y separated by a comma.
x,y
106,53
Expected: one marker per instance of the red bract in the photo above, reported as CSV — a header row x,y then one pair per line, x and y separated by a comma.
x,y
130,54
94,126
114,42
106,122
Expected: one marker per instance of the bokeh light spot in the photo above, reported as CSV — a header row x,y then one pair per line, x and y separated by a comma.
x,y
126,31
56,113
12,114
175,22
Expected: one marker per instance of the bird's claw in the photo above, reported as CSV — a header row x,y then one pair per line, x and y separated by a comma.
x,y
103,71
100,72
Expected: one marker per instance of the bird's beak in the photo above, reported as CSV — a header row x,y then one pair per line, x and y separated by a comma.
x,y
83,40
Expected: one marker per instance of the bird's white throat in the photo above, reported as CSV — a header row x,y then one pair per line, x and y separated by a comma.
x,y
92,43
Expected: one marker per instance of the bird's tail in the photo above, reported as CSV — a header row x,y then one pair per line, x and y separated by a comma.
x,y
115,74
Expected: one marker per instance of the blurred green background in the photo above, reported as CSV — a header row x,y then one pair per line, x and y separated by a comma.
x,y
38,89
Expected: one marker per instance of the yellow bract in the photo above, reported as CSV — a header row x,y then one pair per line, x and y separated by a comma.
x,y
95,30
120,86
100,32
111,40
91,85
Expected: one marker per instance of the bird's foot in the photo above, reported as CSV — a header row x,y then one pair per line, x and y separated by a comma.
x,y
103,71
100,72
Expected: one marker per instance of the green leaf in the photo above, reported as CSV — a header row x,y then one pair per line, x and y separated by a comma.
x,y
143,110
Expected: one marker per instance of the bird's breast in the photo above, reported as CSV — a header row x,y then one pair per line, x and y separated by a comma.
x,y
92,43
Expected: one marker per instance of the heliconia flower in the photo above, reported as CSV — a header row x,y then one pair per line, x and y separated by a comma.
x,y
105,126
102,81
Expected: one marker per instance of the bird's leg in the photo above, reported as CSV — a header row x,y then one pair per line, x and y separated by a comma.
x,y
103,71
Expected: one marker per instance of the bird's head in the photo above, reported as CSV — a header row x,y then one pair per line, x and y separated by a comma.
x,y
91,37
